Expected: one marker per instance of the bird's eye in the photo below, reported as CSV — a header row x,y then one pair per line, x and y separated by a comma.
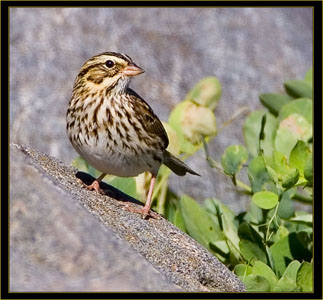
x,y
109,63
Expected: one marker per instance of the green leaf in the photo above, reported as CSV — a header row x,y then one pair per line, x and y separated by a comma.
x,y
287,283
305,277
198,223
251,130
225,217
272,174
233,158
292,247
125,184
174,121
265,199
279,164
308,169
286,206
251,251
291,270
299,156
206,92
290,179
305,218
251,243
262,269
281,232
242,270
298,88
220,247
274,102
295,127
179,221
309,76
302,106
258,175
191,122
256,283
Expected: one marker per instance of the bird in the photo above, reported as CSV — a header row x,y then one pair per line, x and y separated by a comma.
x,y
113,128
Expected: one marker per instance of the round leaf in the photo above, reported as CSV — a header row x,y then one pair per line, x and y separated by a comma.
x,y
242,270
258,174
302,106
197,121
295,127
174,121
265,199
251,130
206,92
233,158
256,283
264,270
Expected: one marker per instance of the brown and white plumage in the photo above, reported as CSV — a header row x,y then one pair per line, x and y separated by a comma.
x,y
112,127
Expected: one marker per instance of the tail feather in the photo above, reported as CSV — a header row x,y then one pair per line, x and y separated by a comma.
x,y
176,165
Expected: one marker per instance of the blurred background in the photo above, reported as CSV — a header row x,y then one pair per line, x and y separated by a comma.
x,y
250,51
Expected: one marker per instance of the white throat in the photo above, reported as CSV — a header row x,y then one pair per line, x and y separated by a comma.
x,y
122,84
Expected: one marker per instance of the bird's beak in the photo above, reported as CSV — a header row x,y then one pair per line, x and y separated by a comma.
x,y
132,70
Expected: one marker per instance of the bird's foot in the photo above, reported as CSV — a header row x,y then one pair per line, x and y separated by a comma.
x,y
93,186
145,212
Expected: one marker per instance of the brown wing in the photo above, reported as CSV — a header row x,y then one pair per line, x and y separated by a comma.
x,y
147,117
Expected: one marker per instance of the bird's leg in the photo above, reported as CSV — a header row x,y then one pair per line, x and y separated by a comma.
x,y
96,184
145,211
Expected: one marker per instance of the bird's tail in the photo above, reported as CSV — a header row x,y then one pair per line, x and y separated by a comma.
x,y
176,165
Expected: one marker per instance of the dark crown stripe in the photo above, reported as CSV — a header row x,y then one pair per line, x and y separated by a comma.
x,y
120,55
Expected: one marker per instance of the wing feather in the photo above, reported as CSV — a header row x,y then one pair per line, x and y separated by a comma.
x,y
148,118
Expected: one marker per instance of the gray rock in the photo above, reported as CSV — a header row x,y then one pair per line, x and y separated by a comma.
x,y
66,238
56,245
250,50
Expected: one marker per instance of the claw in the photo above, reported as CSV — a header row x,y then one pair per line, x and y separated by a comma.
x,y
94,186
143,211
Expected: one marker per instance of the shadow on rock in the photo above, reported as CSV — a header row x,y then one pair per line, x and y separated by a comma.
x,y
108,189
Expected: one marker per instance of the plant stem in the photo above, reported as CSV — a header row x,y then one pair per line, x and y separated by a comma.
x,y
269,223
244,186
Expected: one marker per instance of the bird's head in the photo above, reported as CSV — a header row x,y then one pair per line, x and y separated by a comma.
x,y
108,70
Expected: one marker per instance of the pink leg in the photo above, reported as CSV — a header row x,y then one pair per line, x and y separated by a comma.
x,y
146,209
96,184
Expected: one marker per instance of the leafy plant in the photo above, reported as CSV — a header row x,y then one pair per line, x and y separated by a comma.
x,y
269,247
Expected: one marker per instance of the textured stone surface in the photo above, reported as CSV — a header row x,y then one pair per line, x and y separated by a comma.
x,y
57,245
250,50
